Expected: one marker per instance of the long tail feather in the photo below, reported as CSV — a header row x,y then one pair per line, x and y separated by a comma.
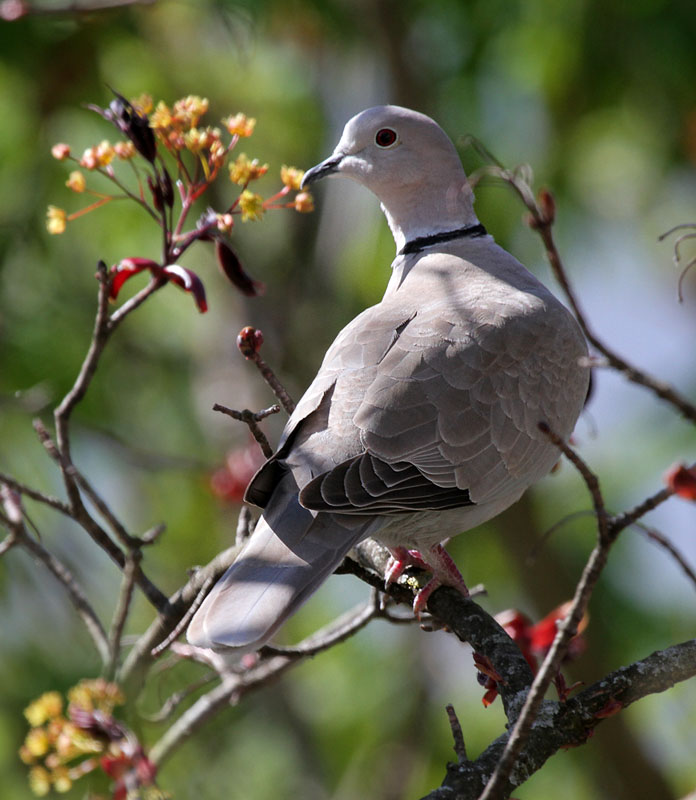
x,y
290,553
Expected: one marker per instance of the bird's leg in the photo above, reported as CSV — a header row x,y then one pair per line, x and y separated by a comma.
x,y
445,573
436,561
401,559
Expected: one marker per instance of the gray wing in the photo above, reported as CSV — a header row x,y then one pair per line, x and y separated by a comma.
x,y
367,485
461,400
434,401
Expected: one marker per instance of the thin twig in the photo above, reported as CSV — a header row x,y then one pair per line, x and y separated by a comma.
x,y
174,701
591,480
271,379
457,734
338,631
15,521
184,621
542,221
140,655
40,497
79,513
121,615
68,468
268,669
657,537
251,418
134,302
566,629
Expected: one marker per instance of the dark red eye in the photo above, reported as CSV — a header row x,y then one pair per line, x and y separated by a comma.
x,y
385,137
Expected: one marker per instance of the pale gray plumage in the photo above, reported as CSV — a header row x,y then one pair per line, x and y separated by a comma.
x,y
423,420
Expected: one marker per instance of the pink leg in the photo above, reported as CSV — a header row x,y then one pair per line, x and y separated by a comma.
x,y
401,560
437,561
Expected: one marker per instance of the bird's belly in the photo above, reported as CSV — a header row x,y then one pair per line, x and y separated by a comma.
x,y
424,529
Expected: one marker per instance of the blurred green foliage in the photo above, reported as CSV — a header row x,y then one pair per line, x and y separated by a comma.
x,y
598,97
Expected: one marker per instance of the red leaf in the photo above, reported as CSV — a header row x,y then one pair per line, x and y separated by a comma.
x,y
125,269
229,483
489,696
231,268
543,633
682,481
189,282
518,627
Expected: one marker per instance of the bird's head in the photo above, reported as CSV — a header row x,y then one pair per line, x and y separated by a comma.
x,y
409,163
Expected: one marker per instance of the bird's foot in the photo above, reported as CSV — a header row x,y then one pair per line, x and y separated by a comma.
x,y
401,559
436,561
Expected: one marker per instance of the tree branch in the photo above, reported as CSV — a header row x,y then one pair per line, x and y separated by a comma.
x,y
568,724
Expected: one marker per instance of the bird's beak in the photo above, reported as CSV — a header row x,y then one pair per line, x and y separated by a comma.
x,y
329,166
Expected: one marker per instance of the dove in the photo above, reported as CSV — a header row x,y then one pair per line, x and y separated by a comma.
x,y
423,420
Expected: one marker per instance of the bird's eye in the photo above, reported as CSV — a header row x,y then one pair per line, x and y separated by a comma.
x,y
385,137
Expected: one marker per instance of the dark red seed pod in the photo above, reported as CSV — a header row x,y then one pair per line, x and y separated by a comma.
x,y
166,187
156,191
232,269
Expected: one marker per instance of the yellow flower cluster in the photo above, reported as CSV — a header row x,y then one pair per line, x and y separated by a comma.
x,y
56,220
251,205
76,181
243,170
57,741
178,128
124,150
184,114
239,125
291,177
96,694
99,156
304,203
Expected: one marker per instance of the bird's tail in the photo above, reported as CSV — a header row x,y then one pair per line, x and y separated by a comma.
x,y
290,553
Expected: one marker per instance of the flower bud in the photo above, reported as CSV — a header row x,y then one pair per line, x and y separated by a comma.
x,y
547,204
60,151
249,341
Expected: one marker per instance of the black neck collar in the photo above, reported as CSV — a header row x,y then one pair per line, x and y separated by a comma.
x,y
416,245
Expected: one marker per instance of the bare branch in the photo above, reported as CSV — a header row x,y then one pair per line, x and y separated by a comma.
x,y
657,537
70,470
567,629
251,418
40,497
79,513
568,724
121,615
457,734
139,658
272,663
338,631
271,379
14,519
541,220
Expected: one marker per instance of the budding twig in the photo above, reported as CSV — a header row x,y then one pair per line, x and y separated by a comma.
x,y
457,734
251,418
541,221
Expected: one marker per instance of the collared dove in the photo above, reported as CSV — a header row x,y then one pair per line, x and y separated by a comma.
x,y
423,420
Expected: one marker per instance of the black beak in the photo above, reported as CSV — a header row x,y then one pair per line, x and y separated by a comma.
x,y
327,167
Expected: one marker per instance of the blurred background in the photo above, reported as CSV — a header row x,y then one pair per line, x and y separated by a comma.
x,y
599,98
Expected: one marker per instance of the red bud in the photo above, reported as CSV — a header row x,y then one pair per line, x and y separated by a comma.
x,y
547,204
249,341
682,481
